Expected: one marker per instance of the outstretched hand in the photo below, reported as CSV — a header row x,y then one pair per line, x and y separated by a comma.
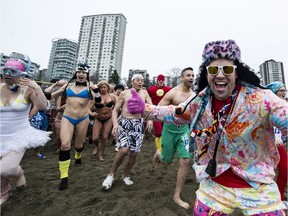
x,y
135,104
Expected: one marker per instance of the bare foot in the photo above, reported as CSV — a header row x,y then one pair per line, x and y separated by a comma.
x,y
100,158
155,159
181,203
95,152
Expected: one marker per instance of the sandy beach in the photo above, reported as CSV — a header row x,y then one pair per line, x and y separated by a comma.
x,y
151,193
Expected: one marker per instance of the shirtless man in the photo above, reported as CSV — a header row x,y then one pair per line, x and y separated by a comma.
x,y
130,131
176,137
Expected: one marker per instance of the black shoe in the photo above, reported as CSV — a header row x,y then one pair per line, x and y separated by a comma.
x,y
63,184
78,161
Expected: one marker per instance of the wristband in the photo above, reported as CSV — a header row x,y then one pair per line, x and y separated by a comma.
x,y
48,95
96,90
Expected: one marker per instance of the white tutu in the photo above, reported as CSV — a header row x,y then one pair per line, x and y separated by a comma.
x,y
29,138
16,133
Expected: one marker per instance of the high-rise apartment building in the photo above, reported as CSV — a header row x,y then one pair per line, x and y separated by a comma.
x,y
101,43
271,71
62,59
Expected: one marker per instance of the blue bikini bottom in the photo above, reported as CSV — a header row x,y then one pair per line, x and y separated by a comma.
x,y
75,121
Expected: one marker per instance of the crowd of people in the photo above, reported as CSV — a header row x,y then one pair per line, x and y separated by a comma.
x,y
231,128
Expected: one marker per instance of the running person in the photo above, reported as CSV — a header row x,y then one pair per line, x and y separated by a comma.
x,y
75,119
177,137
102,119
232,123
156,93
16,96
130,131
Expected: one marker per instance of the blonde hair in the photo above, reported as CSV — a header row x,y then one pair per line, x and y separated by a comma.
x,y
104,82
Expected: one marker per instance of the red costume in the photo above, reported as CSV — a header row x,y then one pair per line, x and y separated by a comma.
x,y
157,93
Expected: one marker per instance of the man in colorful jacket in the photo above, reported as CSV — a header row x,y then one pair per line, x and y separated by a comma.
x,y
232,122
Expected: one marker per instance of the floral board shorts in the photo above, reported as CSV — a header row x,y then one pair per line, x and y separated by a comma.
x,y
215,199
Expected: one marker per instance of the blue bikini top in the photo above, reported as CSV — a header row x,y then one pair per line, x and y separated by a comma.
x,y
82,94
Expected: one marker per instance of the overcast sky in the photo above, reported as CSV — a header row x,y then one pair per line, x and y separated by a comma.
x,y
160,34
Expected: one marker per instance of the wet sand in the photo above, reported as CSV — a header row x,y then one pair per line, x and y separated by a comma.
x,y
151,193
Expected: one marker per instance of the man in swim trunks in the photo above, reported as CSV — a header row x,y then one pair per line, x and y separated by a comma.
x,y
130,131
177,137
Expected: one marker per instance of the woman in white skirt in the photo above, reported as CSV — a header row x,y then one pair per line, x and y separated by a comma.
x,y
16,95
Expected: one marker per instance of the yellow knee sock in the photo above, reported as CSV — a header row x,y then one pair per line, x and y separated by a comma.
x,y
78,155
158,141
64,168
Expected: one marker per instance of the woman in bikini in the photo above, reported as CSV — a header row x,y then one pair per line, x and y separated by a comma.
x,y
103,122
75,119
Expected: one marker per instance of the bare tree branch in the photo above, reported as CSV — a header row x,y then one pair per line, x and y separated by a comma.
x,y
174,73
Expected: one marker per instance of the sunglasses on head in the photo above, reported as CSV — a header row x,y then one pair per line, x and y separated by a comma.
x,y
226,69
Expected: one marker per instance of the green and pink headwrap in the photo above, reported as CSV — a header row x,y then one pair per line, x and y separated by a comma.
x,y
275,86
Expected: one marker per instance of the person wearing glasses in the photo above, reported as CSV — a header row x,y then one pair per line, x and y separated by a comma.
x,y
75,118
17,93
279,89
232,119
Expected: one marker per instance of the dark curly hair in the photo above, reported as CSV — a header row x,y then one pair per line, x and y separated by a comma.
x,y
244,73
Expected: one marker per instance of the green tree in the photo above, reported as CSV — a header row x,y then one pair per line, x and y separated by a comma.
x,y
114,78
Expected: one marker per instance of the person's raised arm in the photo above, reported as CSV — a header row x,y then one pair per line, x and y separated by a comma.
x,y
58,92
35,92
50,88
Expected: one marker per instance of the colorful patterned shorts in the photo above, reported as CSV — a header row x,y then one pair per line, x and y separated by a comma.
x,y
215,199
